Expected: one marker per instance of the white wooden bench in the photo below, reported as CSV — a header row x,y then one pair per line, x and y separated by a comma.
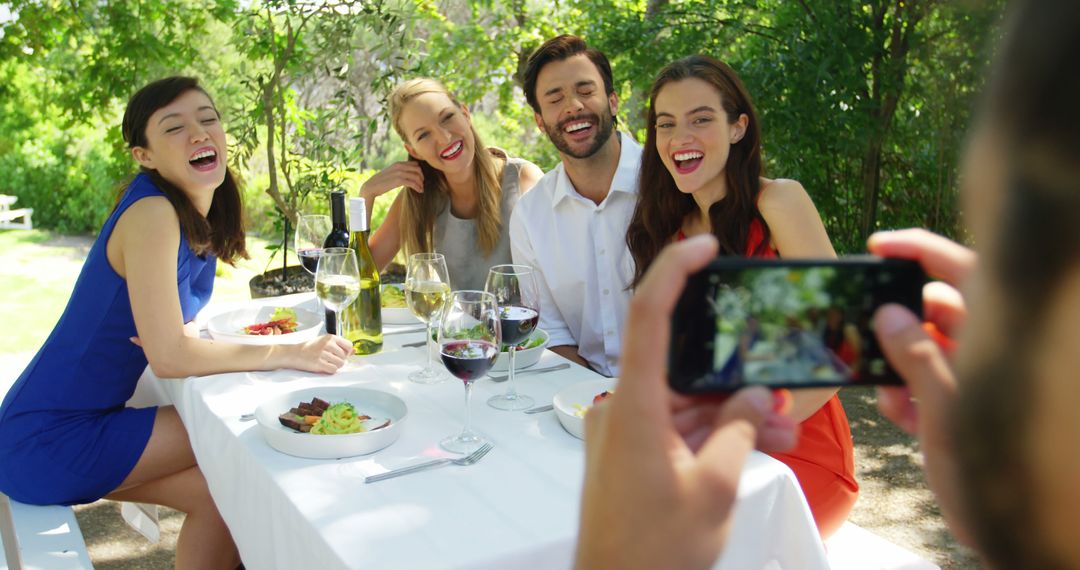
x,y
855,548
41,537
8,215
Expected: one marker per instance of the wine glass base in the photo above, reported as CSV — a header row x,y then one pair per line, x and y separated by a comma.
x,y
462,443
511,403
427,376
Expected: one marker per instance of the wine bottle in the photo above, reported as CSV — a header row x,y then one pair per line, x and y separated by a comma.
x,y
338,237
362,319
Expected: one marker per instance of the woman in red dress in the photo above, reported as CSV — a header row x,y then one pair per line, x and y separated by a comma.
x,y
701,172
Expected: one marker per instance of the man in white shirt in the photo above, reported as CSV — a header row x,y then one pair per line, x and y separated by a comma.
x,y
571,227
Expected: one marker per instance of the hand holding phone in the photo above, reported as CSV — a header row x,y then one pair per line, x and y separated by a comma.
x,y
787,323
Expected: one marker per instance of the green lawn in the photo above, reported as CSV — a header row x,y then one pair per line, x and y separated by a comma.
x,y
38,269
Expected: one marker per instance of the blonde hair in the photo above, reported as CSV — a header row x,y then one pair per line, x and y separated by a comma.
x,y
420,209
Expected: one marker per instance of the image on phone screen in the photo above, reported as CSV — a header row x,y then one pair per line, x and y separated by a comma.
x,y
787,323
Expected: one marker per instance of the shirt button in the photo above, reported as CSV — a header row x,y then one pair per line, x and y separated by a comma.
x,y
610,332
602,250
606,291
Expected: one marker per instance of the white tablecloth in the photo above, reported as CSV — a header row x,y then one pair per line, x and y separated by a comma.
x,y
517,508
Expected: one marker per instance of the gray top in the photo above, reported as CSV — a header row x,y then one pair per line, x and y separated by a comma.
x,y
456,238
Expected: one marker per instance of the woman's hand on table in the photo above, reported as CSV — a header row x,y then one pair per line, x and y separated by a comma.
x,y
920,352
324,355
662,470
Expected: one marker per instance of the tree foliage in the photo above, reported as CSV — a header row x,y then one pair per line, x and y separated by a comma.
x,y
866,103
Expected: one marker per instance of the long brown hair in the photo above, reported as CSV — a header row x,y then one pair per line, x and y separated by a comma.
x,y
420,209
221,231
661,207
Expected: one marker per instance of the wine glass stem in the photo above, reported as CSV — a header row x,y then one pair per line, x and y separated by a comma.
x,y
430,367
337,322
468,408
511,389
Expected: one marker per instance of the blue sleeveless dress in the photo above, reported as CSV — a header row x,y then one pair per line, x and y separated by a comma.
x,y
65,435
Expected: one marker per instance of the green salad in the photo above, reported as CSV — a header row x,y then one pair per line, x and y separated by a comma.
x,y
393,296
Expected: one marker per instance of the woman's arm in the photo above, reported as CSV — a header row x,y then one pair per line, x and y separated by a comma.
x,y
528,176
149,267
797,231
386,241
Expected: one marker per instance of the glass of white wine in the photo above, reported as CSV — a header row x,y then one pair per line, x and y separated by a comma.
x,y
337,279
427,289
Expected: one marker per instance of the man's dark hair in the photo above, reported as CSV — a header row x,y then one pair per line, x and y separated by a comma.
x,y
560,48
1032,104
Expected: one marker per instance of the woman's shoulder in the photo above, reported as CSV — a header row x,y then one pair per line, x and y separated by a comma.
x,y
781,193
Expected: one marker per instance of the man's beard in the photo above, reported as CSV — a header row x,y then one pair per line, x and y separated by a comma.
x,y
604,126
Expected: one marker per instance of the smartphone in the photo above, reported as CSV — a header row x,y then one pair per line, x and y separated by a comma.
x,y
787,323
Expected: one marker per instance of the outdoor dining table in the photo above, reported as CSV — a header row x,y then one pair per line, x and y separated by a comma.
x,y
517,508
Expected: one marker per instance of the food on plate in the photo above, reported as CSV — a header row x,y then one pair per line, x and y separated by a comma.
x,y
283,321
320,417
393,296
580,410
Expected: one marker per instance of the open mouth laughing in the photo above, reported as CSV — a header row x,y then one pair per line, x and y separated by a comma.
x,y
687,161
578,128
204,160
453,151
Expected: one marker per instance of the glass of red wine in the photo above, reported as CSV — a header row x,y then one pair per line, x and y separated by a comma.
x,y
518,297
469,338
311,231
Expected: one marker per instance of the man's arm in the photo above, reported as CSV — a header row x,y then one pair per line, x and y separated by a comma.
x,y
560,339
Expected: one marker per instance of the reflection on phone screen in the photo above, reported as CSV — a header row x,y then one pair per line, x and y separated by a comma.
x,y
783,325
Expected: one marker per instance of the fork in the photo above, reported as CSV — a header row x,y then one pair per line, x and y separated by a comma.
x,y
467,460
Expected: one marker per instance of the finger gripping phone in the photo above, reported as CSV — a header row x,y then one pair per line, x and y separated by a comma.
x,y
787,323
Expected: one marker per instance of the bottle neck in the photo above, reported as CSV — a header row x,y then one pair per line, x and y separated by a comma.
x,y
337,211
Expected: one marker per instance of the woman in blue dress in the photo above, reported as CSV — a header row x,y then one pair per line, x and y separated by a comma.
x,y
66,436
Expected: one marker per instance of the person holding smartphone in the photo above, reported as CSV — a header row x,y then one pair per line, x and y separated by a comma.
x,y
994,410
461,193
701,173
66,436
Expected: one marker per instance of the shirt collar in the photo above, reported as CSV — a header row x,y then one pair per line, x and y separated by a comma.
x,y
626,173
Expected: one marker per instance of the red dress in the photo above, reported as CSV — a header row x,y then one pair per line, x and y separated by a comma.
x,y
824,457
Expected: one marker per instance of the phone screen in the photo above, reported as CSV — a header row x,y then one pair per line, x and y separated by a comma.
x,y
789,324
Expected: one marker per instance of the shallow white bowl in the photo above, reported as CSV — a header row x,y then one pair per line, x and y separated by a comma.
x,y
397,315
580,394
371,402
229,326
524,358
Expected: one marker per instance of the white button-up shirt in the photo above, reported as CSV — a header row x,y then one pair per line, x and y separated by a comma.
x,y
579,250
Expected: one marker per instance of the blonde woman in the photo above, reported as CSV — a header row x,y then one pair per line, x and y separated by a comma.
x,y
461,192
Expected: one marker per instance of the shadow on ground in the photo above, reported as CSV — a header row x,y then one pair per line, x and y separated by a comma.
x,y
113,545
894,501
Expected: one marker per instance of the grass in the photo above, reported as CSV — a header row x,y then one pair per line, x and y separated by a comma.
x,y
38,270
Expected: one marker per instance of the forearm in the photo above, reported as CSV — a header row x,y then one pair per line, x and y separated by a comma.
x,y
188,356
569,352
806,402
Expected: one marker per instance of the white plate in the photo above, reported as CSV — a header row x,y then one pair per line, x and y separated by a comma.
x,y
580,394
397,315
523,358
371,402
229,326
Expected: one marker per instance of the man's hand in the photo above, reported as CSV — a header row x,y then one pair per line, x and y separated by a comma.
x,y
662,470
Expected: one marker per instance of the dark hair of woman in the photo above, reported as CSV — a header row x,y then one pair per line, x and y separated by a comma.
x,y
661,207
221,232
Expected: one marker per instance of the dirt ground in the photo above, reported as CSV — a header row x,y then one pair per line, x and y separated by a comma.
x,y
894,503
